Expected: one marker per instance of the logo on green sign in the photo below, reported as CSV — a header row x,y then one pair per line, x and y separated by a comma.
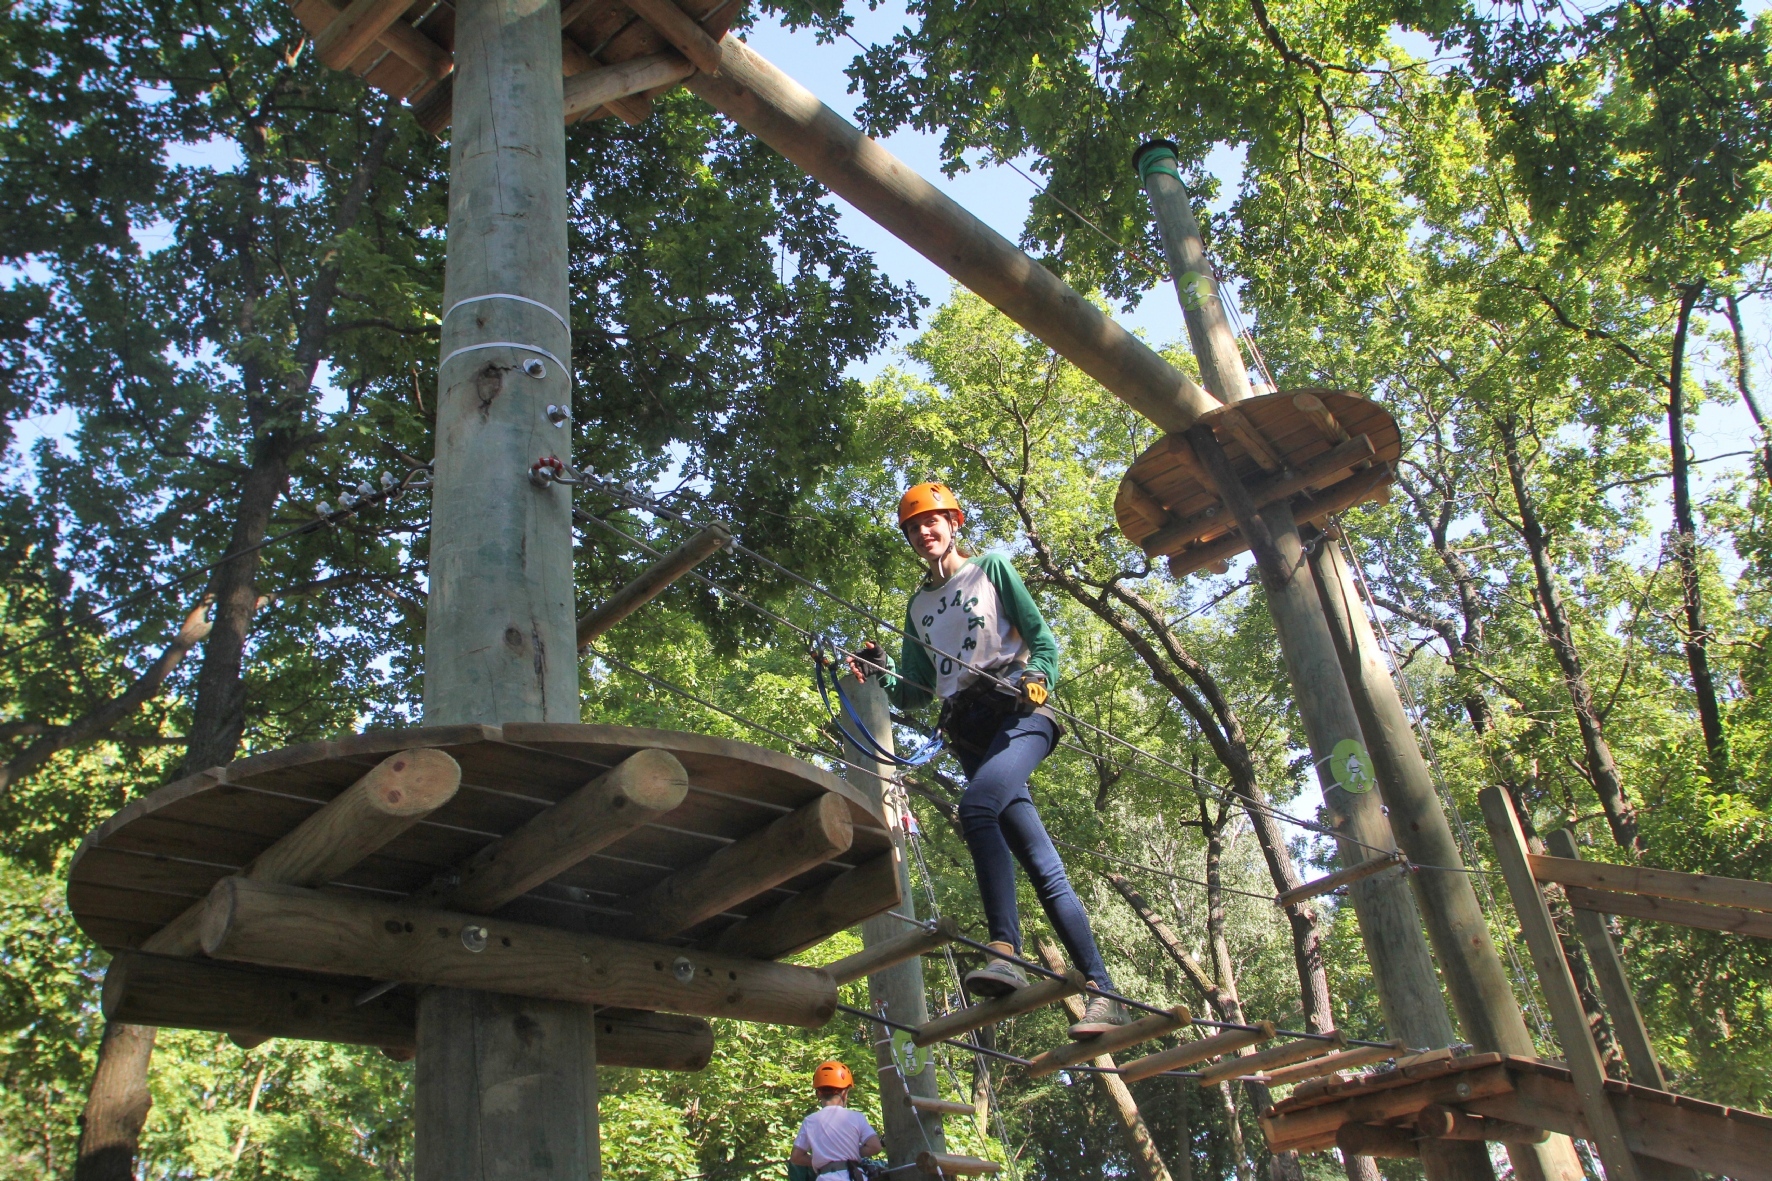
x,y
911,1060
1352,767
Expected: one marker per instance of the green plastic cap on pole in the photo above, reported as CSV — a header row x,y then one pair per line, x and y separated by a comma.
x,y
1157,155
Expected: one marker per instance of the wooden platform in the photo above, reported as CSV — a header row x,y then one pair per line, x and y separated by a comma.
x,y
152,860
1525,1092
1166,506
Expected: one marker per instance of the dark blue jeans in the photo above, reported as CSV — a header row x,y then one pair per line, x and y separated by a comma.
x,y
1001,827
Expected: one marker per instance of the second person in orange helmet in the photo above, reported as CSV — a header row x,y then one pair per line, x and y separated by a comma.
x,y
981,646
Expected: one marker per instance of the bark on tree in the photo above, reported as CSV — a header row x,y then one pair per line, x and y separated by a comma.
x,y
1553,618
1685,540
116,1106
1743,384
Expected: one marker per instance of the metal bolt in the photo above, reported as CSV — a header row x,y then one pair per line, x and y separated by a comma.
x,y
474,938
559,415
1462,1090
683,970
535,367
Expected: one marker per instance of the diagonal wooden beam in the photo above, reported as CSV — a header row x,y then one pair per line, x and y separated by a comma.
x,y
1022,1000
894,951
811,916
396,794
601,85
356,28
799,841
681,30
1188,1053
287,927
631,77
1131,1034
1278,1056
638,790
397,37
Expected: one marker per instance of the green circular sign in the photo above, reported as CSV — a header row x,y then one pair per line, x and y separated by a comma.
x,y
911,1060
1195,289
1352,767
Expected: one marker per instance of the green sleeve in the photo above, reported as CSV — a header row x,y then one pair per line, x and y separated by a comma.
x,y
1019,608
914,685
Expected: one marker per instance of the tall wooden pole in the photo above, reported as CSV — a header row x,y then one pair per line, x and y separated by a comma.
x,y
1478,984
1390,925
506,1088
896,993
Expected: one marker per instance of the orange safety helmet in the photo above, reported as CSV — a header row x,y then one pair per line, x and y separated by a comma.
x,y
929,498
832,1074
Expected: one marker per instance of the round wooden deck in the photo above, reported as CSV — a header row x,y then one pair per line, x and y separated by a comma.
x,y
162,854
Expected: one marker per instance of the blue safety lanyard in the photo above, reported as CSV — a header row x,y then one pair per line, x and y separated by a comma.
x,y
862,737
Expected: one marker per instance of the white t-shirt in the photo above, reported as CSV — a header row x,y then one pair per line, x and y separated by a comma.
x,y
832,1135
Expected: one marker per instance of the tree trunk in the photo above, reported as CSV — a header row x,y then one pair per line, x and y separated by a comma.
x,y
116,1106
1744,386
1685,540
1601,766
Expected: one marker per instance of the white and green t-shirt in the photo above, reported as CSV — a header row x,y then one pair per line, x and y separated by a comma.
x,y
984,617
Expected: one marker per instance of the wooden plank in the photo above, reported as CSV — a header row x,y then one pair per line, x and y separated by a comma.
x,y
1022,1000
1375,1140
812,916
894,951
1141,502
1346,1060
643,787
1567,1014
797,842
1277,1056
1661,883
1731,919
402,39
1621,999
681,30
1209,554
1314,1127
943,1164
1338,879
287,927
589,91
1188,1053
940,1106
356,28
1312,407
1131,1034
1232,422
1440,1122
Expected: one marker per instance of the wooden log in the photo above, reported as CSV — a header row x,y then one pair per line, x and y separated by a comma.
x,y
638,790
801,840
1620,997
1375,1140
1568,1016
1188,1053
1440,1122
1346,1060
681,30
1314,1127
1661,883
1022,1000
1278,1056
787,117
1146,505
407,44
1338,879
811,916
1312,407
397,793
1208,556
1259,449
940,1106
355,29
1310,510
1324,469
943,1164
256,1004
1130,1034
1733,920
282,926
631,77
895,951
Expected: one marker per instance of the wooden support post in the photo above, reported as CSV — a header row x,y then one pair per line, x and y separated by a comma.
x,y
639,789
801,840
884,955
786,116
1083,1049
1221,362
655,578
681,30
1478,983
1567,1014
396,794
1140,1145
1188,1053
1346,1060
506,1087
1338,879
1283,1055
895,992
255,1004
941,1164
811,916
286,927
1449,1123
1023,1000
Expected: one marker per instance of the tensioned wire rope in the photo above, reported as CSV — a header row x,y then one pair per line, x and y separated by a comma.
x,y
638,500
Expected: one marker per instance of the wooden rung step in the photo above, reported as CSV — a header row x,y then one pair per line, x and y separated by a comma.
x,y
1285,1055
1338,879
894,951
1188,1053
1022,1000
1130,1034
943,1164
1329,1064
939,1106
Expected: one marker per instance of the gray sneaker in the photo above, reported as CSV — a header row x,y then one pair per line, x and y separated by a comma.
x,y
1099,1015
997,978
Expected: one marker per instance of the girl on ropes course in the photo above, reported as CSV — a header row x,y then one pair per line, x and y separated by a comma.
x,y
987,653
